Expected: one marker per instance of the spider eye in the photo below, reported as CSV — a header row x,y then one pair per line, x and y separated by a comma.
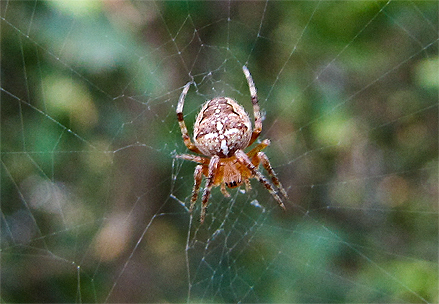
x,y
232,184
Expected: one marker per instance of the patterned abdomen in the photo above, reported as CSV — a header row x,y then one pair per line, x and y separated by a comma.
x,y
222,127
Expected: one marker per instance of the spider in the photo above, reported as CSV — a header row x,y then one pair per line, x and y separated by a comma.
x,y
222,131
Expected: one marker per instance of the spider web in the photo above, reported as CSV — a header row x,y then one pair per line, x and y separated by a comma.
x,y
95,204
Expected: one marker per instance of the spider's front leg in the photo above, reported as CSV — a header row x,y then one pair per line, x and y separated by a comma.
x,y
256,111
184,132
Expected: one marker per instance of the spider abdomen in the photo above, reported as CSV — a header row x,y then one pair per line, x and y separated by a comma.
x,y
222,127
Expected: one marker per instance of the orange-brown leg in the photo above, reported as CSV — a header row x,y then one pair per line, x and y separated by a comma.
x,y
198,176
262,157
261,146
245,160
212,171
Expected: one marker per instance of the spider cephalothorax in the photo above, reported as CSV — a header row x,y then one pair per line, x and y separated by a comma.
x,y
222,131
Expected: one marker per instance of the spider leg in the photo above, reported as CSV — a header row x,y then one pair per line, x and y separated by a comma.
x,y
198,176
184,132
258,157
262,157
224,191
261,146
212,171
245,160
194,158
256,111
248,186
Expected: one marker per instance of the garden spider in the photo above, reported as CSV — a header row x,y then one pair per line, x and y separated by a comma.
x,y
222,131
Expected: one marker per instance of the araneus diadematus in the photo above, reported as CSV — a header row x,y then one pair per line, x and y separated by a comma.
x,y
222,131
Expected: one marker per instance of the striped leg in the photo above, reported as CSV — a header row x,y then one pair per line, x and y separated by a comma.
x,y
245,160
198,176
256,111
184,132
262,157
213,170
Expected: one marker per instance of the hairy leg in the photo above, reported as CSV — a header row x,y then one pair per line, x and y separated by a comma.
x,y
198,176
213,170
184,132
262,157
245,160
224,191
261,146
194,158
256,111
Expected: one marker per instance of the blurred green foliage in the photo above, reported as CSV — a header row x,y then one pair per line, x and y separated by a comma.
x,y
92,196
